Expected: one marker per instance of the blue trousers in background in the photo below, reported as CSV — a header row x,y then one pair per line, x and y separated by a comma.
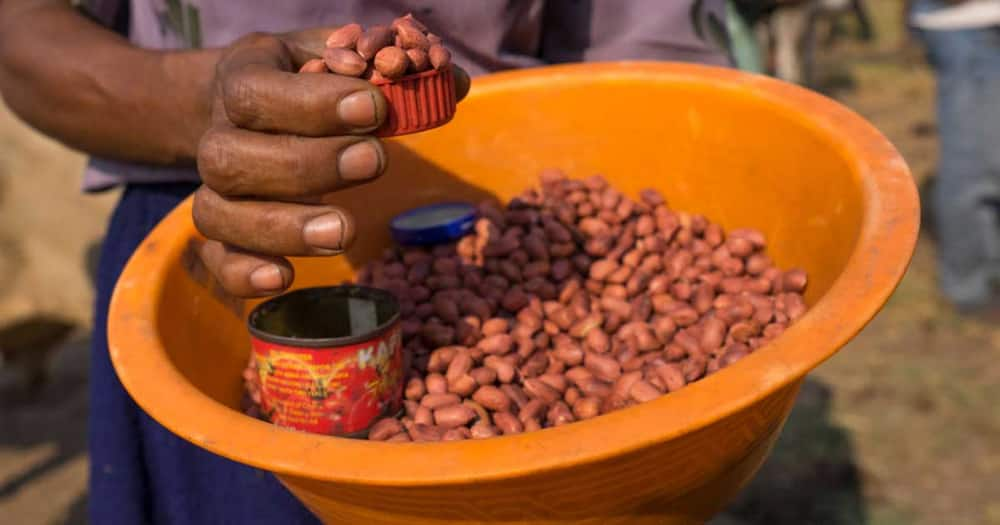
x,y
966,199
140,473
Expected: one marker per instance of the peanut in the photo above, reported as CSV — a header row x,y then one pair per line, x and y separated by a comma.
x,y
498,344
492,398
537,388
508,423
603,367
571,301
415,389
482,430
456,434
452,416
346,36
385,429
559,414
344,62
436,401
439,56
671,376
463,385
409,36
587,407
435,384
459,366
642,391
392,62
373,40
315,65
424,432
505,370
424,415
483,375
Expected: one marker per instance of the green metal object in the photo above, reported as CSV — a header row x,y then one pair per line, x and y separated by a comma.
x,y
734,35
743,42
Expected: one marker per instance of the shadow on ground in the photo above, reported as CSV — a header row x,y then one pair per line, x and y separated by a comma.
x,y
42,395
77,513
811,476
44,424
43,414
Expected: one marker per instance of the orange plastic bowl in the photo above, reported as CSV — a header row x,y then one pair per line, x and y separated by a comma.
x,y
830,192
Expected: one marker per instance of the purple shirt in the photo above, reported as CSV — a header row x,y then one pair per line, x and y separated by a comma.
x,y
483,35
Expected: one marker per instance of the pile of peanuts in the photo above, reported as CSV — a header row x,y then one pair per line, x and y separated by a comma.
x,y
381,53
571,302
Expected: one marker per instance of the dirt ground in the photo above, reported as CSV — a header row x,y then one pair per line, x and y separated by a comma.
x,y
901,427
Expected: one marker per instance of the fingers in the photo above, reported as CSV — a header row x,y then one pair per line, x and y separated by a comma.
x,y
244,274
270,100
273,228
261,92
282,140
239,163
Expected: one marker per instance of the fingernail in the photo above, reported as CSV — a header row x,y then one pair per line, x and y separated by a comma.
x,y
360,161
358,110
325,231
267,277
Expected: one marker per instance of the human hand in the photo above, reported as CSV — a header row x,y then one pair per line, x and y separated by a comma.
x,y
279,142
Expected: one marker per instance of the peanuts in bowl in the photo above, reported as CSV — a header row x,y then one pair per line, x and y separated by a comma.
x,y
572,301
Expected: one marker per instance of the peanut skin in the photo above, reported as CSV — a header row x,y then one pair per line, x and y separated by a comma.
x,y
498,344
492,398
459,366
453,416
603,367
482,430
439,56
508,423
344,62
413,20
504,370
463,385
409,36
587,407
457,434
385,429
424,416
436,401
345,37
372,40
415,389
315,65
537,388
392,62
435,384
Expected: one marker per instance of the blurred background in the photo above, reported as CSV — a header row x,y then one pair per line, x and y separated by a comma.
x,y
900,427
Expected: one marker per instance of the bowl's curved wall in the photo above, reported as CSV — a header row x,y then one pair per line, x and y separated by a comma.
x,y
829,191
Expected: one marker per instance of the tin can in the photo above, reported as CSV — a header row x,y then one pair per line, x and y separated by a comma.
x,y
329,359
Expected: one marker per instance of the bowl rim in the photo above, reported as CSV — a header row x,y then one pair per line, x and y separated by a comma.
x,y
881,256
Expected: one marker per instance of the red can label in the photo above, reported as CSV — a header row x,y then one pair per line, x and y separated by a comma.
x,y
334,391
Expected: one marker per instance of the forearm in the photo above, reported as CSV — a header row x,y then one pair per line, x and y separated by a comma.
x,y
94,91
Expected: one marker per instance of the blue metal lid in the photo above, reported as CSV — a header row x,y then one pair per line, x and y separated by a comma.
x,y
434,224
